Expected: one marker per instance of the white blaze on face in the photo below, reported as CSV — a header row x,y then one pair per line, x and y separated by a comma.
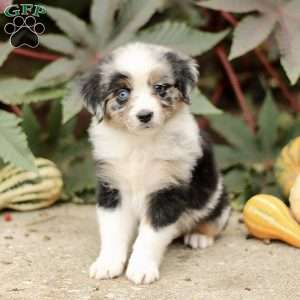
x,y
144,101
139,61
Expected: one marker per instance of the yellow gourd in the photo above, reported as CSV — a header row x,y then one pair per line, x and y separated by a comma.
x,y
25,190
287,166
267,217
294,199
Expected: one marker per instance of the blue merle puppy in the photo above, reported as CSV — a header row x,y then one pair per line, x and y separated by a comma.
x,y
157,177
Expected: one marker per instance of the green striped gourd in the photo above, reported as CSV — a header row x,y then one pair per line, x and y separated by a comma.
x,y
25,190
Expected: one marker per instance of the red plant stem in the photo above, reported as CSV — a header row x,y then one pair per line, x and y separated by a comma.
x,y
43,55
235,83
36,54
285,91
16,110
269,68
229,18
215,98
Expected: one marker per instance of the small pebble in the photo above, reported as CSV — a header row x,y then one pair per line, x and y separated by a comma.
x,y
187,279
47,238
7,217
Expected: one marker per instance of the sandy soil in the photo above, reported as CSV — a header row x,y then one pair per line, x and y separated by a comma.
x,y
46,255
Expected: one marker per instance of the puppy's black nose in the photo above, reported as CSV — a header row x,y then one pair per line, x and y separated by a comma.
x,y
145,116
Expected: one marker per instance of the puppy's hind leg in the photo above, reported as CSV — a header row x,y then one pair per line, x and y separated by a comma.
x,y
203,234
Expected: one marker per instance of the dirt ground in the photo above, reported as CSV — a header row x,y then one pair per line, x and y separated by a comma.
x,y
46,255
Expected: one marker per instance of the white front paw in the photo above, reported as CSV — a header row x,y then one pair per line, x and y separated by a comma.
x,y
142,270
106,268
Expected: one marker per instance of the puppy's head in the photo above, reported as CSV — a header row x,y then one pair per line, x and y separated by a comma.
x,y
139,87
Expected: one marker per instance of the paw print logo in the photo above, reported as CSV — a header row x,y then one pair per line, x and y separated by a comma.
x,y
24,31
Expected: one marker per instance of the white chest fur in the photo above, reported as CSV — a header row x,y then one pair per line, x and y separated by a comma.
x,y
140,164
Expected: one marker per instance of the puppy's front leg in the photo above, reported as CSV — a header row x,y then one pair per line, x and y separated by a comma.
x,y
117,227
148,250
157,230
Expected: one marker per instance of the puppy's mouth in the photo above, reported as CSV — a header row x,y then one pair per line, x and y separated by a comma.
x,y
143,128
147,126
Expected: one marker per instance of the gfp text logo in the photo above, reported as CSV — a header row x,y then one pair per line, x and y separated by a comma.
x,y
24,30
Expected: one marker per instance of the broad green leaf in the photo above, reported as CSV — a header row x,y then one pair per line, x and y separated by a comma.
x,y
228,156
14,148
58,71
31,128
102,17
58,42
268,124
250,33
74,27
133,15
14,85
80,176
234,130
235,180
38,95
72,103
294,130
236,6
288,39
201,105
54,121
67,129
5,50
179,36
67,152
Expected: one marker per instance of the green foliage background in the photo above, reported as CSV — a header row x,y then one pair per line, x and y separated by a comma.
x,y
49,120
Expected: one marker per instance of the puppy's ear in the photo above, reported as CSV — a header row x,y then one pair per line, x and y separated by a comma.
x,y
90,90
185,72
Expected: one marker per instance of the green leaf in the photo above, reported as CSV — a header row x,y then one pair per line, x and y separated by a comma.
x,y
102,17
67,129
5,50
201,105
58,71
14,85
228,156
250,33
236,6
181,37
235,180
80,176
54,121
66,152
133,15
72,103
31,128
74,27
294,130
14,148
235,132
288,39
58,42
38,95
268,124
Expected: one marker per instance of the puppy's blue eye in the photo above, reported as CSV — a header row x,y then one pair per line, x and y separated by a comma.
x,y
122,95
